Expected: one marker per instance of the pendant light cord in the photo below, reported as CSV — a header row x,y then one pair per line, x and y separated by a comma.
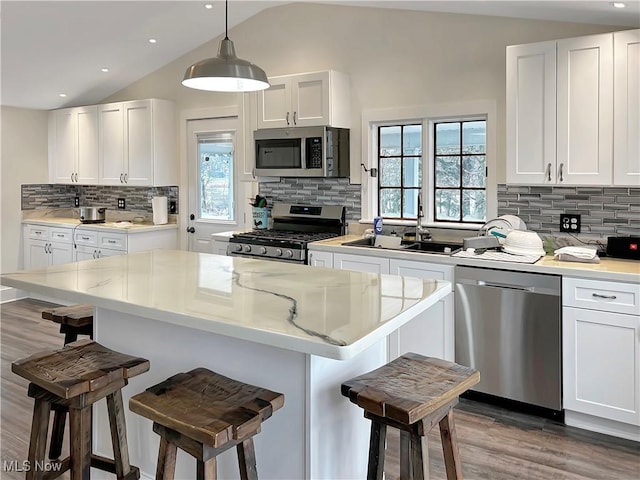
x,y
226,19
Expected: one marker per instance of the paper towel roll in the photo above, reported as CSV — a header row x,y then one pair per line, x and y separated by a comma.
x,y
159,205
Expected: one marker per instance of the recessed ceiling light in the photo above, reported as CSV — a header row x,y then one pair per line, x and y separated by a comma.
x,y
104,69
62,95
152,40
619,4
208,6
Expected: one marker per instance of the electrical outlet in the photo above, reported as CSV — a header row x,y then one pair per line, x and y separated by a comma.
x,y
121,204
76,202
172,206
570,223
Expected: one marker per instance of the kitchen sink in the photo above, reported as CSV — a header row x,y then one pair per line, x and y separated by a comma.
x,y
444,248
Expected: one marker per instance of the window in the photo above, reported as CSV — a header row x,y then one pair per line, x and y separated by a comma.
x,y
459,152
215,175
400,165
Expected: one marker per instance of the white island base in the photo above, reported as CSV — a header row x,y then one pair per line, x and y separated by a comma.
x,y
318,434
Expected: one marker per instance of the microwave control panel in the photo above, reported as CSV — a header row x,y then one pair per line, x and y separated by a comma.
x,y
314,152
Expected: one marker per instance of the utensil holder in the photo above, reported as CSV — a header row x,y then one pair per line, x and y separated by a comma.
x,y
260,218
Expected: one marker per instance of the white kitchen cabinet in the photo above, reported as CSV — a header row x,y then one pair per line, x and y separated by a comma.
x,y
220,246
360,263
432,332
321,259
137,141
308,99
45,246
73,145
626,101
560,112
601,356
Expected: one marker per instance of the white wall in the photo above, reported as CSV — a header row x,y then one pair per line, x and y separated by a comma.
x,y
393,57
23,159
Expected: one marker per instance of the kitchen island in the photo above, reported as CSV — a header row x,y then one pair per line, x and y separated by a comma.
x,y
293,329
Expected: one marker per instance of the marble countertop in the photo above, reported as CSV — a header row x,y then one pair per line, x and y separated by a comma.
x,y
326,312
609,269
128,227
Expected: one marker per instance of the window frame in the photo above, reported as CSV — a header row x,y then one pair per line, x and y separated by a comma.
x,y
427,115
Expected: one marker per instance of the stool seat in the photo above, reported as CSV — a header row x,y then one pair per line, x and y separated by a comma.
x,y
412,393
204,414
75,315
71,380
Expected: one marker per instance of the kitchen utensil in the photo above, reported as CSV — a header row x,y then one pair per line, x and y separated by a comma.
x,y
523,242
92,214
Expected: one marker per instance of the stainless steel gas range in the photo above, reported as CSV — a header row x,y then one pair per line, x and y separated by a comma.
x,y
294,227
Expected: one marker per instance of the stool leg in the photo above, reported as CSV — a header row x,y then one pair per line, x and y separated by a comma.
x,y
419,457
115,409
247,460
405,457
38,441
80,431
377,440
206,470
450,447
166,469
57,432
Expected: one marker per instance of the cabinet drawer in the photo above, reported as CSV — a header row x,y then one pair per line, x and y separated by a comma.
x,y
599,295
61,235
86,237
38,232
117,241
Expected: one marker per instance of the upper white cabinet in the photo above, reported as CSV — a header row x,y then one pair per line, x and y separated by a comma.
x,y
560,111
137,143
626,101
124,143
308,99
73,145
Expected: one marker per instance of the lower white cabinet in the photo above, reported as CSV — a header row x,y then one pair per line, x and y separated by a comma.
x,y
45,246
601,355
432,332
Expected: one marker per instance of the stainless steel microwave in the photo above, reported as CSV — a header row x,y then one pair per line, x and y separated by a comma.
x,y
302,152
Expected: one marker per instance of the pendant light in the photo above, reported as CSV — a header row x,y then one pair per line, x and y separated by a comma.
x,y
226,72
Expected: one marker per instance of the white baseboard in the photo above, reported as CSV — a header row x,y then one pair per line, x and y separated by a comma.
x,y
602,425
10,294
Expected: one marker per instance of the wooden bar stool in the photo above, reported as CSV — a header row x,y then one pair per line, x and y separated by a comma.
x,y
74,320
205,414
76,377
412,393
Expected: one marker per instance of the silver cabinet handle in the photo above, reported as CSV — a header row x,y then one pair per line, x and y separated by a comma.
x,y
608,297
121,178
560,173
75,175
111,241
295,121
95,254
253,172
549,172
287,118
126,178
85,238
72,177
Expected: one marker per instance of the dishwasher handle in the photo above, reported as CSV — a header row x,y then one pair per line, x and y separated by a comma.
x,y
482,283
519,288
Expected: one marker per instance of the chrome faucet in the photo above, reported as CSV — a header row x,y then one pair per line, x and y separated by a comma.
x,y
421,233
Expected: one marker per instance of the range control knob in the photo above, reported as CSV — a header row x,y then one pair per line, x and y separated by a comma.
x,y
278,252
238,248
263,250
289,253
247,248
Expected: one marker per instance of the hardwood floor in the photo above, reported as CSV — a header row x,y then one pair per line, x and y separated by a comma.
x,y
495,444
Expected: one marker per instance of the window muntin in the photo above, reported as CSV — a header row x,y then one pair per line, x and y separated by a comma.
x,y
460,169
215,177
400,166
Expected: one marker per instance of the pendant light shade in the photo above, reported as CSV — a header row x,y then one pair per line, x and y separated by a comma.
x,y
226,72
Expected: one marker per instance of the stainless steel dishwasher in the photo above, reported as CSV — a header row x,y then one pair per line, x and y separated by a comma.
x,y
508,326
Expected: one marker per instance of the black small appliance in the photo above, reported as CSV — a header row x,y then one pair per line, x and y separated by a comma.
x,y
624,247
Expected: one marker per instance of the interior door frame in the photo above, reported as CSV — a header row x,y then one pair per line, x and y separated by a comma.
x,y
185,117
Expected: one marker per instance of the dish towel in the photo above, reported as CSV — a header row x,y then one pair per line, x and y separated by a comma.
x,y
577,254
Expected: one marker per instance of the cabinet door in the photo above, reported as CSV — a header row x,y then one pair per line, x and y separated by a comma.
x,y
138,143
321,259
432,332
36,254
626,91
85,253
360,263
64,145
60,253
585,110
88,157
274,104
310,99
111,120
601,364
531,113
